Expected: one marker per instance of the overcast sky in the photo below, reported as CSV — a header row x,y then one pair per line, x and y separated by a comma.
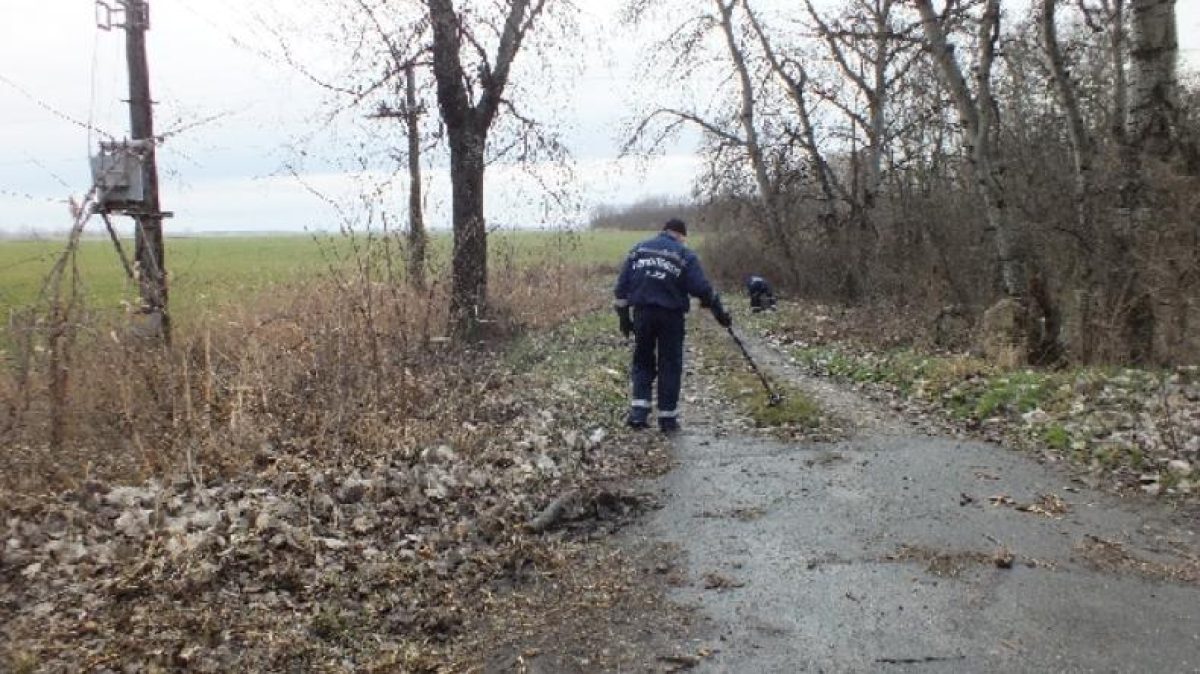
x,y
215,58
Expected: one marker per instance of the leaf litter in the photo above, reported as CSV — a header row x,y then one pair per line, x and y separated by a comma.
x,y
331,563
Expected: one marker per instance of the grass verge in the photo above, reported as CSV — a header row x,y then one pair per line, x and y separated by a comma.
x,y
795,415
1127,428
794,410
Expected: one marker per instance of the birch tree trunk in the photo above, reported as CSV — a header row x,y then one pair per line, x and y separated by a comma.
x,y
1154,113
1153,133
877,104
977,114
768,193
1083,155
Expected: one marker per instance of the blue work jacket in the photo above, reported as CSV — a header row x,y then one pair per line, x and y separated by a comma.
x,y
662,272
758,285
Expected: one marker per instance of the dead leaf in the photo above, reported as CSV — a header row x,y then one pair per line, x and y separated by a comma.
x,y
716,581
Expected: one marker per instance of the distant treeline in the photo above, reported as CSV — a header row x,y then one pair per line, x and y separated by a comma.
x,y
643,215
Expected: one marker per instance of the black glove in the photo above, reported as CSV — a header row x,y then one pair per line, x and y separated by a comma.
x,y
625,321
718,311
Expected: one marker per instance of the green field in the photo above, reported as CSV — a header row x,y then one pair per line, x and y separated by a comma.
x,y
207,271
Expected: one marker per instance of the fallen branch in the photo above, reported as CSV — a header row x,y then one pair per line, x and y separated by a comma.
x,y
554,513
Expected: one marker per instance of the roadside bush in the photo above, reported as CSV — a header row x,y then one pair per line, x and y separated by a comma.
x,y
352,361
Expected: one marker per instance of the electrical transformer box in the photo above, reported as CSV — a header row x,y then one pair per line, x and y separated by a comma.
x,y
118,175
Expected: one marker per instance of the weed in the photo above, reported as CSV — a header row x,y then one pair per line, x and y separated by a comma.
x,y
19,663
334,626
1015,393
1137,458
1056,437
795,409
1108,456
347,359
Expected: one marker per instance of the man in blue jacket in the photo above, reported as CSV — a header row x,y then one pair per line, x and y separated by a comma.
x,y
652,298
762,298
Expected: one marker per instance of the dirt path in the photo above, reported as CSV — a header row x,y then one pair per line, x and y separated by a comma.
x,y
899,551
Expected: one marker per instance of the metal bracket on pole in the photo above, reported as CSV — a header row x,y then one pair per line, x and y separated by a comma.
x,y
108,17
124,14
137,14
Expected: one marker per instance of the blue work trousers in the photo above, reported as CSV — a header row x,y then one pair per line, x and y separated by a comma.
x,y
658,352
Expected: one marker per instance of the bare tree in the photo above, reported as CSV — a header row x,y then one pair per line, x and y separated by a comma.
x,y
733,127
1154,110
978,114
938,172
407,52
871,52
795,78
411,112
462,52
1148,128
382,47
1082,146
1083,155
767,188
469,103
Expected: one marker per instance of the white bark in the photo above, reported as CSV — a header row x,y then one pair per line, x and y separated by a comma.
x,y
746,114
1082,147
1153,114
795,82
977,116
768,192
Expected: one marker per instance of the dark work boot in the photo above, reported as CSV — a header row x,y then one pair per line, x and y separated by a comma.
x,y
639,417
668,425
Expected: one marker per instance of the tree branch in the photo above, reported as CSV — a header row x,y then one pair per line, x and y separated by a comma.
x,y
452,96
515,27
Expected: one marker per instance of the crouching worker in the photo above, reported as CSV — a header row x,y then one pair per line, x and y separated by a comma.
x,y
652,298
762,297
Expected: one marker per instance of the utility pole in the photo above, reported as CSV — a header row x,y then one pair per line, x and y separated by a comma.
x,y
148,248
410,112
126,172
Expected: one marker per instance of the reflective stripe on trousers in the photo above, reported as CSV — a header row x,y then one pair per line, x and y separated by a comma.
x,y
658,354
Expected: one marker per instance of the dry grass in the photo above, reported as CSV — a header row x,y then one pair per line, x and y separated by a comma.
x,y
353,361
374,518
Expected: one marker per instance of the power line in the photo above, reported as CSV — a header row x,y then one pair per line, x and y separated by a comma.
x,y
29,197
236,41
36,162
23,162
92,89
51,109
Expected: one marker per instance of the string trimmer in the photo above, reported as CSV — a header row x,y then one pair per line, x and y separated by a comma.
x,y
773,398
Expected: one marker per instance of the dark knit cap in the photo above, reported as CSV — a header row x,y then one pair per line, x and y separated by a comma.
x,y
676,225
